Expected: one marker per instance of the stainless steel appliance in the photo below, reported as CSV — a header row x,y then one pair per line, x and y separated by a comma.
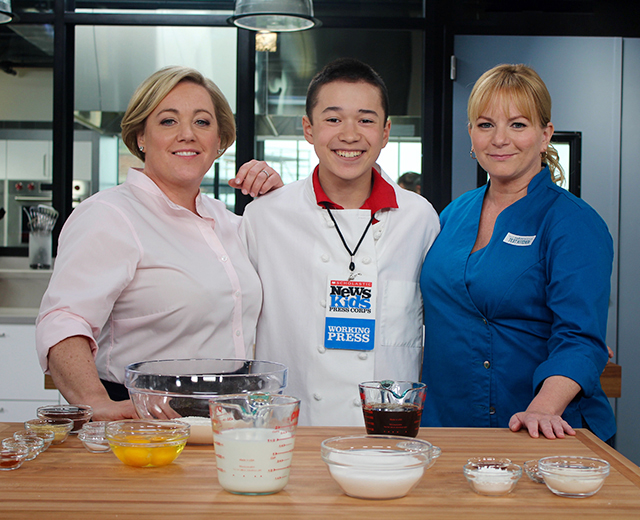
x,y
22,194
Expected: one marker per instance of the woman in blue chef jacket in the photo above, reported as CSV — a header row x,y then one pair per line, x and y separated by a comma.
x,y
516,286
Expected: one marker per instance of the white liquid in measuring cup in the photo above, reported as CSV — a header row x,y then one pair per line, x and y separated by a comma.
x,y
253,460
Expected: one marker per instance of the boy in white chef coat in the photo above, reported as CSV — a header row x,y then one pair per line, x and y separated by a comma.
x,y
339,255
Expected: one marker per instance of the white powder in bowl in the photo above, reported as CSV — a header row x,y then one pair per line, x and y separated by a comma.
x,y
492,480
573,482
201,431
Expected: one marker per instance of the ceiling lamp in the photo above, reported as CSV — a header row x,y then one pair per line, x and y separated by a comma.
x,y
5,11
274,15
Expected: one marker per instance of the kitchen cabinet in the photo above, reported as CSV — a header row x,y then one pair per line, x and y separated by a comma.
x,y
21,380
28,159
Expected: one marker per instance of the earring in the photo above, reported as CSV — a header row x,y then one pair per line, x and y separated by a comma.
x,y
221,151
141,148
472,154
543,156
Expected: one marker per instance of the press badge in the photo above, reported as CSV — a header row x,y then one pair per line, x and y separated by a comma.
x,y
350,320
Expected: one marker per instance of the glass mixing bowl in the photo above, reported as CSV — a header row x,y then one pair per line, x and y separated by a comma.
x,y
181,388
574,477
377,466
147,444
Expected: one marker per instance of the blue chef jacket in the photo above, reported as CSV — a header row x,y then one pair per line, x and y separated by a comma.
x,y
530,305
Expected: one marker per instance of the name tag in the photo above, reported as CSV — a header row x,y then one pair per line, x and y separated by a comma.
x,y
350,319
517,240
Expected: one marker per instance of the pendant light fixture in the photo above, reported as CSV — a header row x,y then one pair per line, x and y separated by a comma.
x,y
5,11
274,15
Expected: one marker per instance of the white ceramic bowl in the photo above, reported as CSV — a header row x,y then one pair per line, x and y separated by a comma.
x,y
573,477
377,466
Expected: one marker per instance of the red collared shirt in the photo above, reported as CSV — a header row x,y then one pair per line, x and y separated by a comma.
x,y
382,196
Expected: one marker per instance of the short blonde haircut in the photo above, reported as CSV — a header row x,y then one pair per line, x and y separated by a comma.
x,y
523,86
155,88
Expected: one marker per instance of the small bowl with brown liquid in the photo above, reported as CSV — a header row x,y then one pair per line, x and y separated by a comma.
x,y
392,407
78,413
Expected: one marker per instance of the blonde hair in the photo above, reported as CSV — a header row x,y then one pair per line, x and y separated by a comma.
x,y
523,86
155,88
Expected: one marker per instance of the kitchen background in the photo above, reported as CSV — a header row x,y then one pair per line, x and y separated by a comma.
x,y
66,76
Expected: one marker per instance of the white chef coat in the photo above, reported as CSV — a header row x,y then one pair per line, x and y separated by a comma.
x,y
143,278
295,247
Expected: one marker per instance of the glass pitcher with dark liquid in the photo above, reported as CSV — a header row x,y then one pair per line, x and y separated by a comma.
x,y
392,407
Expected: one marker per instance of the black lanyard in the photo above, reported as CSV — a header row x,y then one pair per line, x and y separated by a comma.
x,y
352,265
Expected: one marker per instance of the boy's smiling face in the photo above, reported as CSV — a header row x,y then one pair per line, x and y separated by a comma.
x,y
347,130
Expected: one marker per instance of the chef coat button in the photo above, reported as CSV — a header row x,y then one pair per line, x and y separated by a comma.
x,y
363,356
486,364
492,410
325,258
357,402
237,294
223,258
321,349
377,235
366,260
323,303
317,397
237,333
330,223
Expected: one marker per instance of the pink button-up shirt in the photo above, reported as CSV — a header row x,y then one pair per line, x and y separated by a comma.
x,y
143,278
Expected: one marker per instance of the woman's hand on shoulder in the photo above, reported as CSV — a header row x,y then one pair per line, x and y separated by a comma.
x,y
256,178
551,426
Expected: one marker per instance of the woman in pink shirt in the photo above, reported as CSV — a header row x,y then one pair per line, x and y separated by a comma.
x,y
153,269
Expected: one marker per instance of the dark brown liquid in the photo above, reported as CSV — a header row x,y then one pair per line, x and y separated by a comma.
x,y
78,416
10,463
392,419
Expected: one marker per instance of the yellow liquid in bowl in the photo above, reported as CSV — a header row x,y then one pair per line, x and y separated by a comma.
x,y
156,452
60,432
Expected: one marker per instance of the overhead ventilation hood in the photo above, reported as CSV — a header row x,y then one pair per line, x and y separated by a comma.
x,y
111,61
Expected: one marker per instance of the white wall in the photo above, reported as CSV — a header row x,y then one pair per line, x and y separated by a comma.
x,y
629,295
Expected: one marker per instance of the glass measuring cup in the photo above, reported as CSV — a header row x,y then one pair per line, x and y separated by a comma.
x,y
392,407
254,436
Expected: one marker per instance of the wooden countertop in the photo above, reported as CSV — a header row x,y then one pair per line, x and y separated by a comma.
x,y
68,482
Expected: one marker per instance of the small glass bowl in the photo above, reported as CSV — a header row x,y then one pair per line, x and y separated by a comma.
x,y
377,466
78,413
573,477
34,445
46,435
12,457
147,443
531,469
59,427
94,437
492,477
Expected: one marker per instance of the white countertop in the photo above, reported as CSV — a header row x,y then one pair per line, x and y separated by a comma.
x,y
44,274
18,315
21,290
